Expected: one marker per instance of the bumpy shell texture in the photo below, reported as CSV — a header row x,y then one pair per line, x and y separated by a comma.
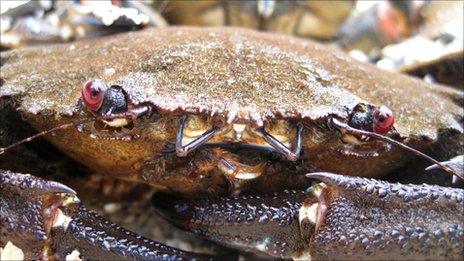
x,y
238,74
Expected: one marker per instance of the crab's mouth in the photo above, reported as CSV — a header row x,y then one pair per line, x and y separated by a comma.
x,y
194,131
281,136
240,134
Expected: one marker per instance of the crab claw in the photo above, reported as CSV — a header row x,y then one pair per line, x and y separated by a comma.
x,y
43,219
456,164
374,219
342,218
29,207
267,223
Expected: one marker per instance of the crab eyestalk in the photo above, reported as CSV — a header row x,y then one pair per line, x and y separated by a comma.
x,y
102,100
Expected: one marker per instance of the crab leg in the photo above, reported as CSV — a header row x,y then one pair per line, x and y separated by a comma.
x,y
346,218
281,148
45,220
183,150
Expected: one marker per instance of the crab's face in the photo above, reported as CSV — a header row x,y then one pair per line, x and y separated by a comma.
x,y
293,139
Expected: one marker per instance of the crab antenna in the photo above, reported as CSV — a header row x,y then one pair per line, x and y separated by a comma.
x,y
128,115
350,130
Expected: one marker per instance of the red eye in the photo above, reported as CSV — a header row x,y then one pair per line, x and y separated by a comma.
x,y
383,120
92,94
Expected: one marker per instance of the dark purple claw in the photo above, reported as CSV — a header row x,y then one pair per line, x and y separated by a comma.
x,y
27,207
27,184
264,223
347,218
95,237
44,219
373,219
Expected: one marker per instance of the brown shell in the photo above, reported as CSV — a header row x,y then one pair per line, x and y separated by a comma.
x,y
238,74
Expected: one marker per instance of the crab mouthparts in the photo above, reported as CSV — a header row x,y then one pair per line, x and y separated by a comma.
x,y
194,132
237,133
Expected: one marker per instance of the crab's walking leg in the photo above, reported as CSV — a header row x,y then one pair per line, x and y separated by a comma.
x,y
183,150
281,148
347,218
45,220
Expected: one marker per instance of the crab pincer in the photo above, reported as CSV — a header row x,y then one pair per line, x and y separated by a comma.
x,y
341,218
44,219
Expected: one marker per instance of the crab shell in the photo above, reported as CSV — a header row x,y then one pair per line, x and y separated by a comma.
x,y
224,75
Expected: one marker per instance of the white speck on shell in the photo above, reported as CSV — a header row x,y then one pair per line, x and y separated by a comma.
x,y
109,71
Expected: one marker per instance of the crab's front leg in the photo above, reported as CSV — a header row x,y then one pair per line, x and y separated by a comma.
x,y
343,218
43,219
